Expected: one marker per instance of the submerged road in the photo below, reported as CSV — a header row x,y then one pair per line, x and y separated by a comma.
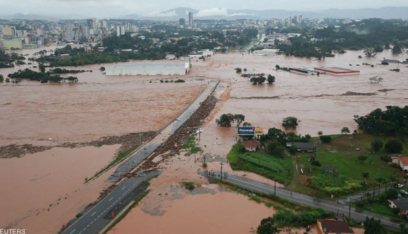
x,y
307,200
99,216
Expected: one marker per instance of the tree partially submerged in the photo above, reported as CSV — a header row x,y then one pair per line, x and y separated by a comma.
x,y
290,122
370,52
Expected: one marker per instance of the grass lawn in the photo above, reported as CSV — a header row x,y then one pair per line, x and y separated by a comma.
x,y
282,176
341,154
191,146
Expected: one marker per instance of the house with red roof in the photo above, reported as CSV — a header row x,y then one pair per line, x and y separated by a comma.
x,y
251,145
403,162
326,226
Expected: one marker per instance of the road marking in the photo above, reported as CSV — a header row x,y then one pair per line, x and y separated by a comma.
x,y
340,208
73,231
110,199
123,188
93,213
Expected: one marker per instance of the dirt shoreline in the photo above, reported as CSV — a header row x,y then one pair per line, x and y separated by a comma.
x,y
126,141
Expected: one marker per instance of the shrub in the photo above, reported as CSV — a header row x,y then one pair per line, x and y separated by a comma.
x,y
161,81
204,164
179,81
325,139
102,68
239,70
376,146
293,149
189,186
290,122
393,146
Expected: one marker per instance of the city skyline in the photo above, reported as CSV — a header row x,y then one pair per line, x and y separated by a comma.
x,y
160,8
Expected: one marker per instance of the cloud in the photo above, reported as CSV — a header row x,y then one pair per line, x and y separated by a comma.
x,y
212,12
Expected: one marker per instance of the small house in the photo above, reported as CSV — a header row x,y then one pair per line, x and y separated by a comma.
x,y
251,145
401,203
303,146
403,163
333,227
330,170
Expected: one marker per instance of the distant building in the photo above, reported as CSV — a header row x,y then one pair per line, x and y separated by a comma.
x,y
182,22
120,30
303,146
9,32
149,69
8,44
85,31
190,19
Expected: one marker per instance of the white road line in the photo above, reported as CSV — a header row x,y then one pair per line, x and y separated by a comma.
x,y
73,231
123,188
111,199
93,213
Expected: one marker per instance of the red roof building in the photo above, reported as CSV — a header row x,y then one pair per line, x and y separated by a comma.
x,y
251,145
333,227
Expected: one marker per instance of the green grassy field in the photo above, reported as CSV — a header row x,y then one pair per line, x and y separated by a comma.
x,y
284,176
341,154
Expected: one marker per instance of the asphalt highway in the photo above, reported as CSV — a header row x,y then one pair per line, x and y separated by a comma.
x,y
99,216
306,200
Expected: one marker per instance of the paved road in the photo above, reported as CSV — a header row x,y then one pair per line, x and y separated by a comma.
x,y
99,216
142,154
346,201
307,200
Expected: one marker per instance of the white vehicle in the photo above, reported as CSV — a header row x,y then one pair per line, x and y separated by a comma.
x,y
404,192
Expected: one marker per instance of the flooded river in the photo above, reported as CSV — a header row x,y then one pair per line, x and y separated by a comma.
x,y
101,105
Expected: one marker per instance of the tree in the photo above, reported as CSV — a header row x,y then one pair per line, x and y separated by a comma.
x,y
271,79
245,69
365,176
239,70
277,67
316,163
373,226
370,52
7,80
397,49
378,48
393,146
276,149
225,120
239,119
319,133
41,67
267,226
362,158
1,78
345,130
102,68
290,122
246,124
325,139
293,149
376,146
403,227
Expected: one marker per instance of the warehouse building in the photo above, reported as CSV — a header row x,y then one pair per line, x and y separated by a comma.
x,y
148,69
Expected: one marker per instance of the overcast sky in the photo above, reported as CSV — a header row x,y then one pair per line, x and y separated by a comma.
x,y
112,8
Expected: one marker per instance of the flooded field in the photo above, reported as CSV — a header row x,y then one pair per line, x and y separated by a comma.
x,y
102,105
43,191
206,210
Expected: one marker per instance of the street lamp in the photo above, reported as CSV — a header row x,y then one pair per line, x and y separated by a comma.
x,y
275,188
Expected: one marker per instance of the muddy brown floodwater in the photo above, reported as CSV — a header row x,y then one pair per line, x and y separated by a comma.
x,y
42,191
102,105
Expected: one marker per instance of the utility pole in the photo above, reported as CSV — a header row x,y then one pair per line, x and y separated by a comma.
x,y
350,208
221,169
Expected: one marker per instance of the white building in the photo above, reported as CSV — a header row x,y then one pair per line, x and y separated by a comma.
x,y
190,19
149,69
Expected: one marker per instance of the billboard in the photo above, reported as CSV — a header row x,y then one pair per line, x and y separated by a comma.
x,y
246,131
258,131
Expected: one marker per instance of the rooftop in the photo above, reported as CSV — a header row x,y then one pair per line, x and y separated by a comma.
x,y
168,66
401,203
336,69
333,226
251,143
404,160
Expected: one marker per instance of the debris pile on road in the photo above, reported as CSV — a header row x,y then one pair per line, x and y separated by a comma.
x,y
175,141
